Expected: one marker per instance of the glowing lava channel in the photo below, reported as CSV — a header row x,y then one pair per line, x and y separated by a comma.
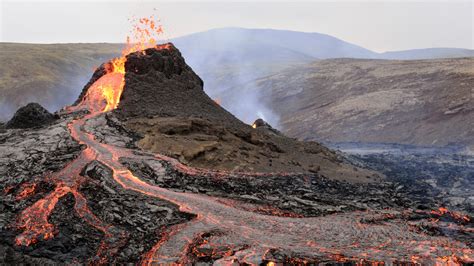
x,y
102,96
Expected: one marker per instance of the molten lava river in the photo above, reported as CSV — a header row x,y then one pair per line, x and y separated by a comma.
x,y
234,235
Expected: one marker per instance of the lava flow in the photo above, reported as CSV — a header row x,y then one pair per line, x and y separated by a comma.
x,y
102,96
232,234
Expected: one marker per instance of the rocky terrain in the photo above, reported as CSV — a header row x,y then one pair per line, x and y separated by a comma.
x,y
92,188
447,173
376,109
420,102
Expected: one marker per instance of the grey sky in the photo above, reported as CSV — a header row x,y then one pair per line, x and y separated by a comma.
x,y
376,25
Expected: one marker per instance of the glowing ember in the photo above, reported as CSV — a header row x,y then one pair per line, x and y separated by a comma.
x,y
27,190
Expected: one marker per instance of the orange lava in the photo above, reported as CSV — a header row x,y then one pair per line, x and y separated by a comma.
x,y
456,215
26,190
34,220
108,89
103,96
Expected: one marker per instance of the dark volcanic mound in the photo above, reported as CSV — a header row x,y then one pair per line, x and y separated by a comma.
x,y
159,82
29,116
164,103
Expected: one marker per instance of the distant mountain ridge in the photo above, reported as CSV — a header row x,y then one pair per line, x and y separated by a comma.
x,y
230,58
53,74
301,45
298,44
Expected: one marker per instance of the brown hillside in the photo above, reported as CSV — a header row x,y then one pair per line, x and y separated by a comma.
x,y
423,102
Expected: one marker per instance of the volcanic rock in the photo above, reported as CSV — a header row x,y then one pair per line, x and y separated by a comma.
x,y
163,104
262,124
31,115
158,82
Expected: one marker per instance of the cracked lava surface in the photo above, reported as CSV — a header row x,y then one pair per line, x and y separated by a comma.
x,y
220,233
226,232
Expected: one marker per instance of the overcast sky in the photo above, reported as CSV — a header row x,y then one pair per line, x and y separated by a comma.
x,y
376,25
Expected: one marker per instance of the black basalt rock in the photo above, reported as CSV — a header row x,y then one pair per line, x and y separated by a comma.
x,y
167,60
30,116
158,82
